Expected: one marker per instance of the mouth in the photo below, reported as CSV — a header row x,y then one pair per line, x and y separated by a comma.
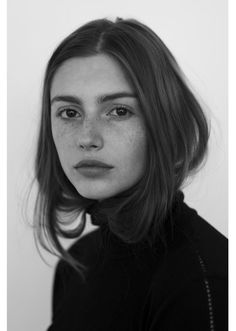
x,y
93,168
92,164
92,172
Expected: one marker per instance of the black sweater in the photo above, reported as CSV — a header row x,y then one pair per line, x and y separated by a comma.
x,y
132,288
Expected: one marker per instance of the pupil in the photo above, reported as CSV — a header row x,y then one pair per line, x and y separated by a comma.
x,y
70,113
121,111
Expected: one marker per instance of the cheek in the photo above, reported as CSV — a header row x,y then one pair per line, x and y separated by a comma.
x,y
134,145
63,142
139,149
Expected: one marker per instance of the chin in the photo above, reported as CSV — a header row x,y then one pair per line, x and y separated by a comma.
x,y
99,191
95,194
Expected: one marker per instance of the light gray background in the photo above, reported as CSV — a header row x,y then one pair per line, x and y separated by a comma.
x,y
196,33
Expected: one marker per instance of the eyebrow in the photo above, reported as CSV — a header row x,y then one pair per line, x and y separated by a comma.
x,y
100,99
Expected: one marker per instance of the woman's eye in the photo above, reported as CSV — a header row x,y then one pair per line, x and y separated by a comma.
x,y
68,113
117,112
120,111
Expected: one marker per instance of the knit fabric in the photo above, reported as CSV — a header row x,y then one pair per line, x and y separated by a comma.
x,y
133,287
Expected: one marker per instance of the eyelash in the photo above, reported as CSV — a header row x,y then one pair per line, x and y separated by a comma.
x,y
60,113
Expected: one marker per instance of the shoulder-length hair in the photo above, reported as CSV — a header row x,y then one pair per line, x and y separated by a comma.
x,y
176,127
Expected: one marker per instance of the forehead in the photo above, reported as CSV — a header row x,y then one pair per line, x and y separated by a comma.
x,y
99,73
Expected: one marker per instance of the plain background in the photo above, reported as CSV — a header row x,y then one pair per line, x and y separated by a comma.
x,y
195,32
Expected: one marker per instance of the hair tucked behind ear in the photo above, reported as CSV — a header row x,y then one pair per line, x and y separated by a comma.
x,y
177,133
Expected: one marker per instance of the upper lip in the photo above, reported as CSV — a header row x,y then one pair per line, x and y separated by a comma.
x,y
92,163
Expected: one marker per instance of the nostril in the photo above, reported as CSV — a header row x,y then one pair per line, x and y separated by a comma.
x,y
88,147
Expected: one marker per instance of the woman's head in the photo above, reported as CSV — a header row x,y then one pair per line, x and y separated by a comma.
x,y
95,115
154,138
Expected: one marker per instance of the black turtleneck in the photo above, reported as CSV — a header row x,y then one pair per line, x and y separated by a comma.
x,y
134,287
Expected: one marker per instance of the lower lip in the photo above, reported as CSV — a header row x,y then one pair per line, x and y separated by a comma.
x,y
93,171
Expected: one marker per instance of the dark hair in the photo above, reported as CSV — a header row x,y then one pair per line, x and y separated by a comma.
x,y
176,127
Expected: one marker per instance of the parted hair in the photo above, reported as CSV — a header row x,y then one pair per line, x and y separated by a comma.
x,y
177,134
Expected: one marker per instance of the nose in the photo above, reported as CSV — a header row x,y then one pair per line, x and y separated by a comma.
x,y
89,136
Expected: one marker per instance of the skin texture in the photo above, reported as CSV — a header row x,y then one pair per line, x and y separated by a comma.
x,y
110,131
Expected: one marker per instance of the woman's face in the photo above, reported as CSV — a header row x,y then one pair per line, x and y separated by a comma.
x,y
95,115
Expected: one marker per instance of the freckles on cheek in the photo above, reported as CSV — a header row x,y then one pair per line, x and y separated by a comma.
x,y
62,137
64,149
134,150
136,138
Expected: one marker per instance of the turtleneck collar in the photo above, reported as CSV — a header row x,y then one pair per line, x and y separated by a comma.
x,y
117,248
98,217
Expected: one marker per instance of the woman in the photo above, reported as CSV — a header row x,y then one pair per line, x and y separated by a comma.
x,y
120,133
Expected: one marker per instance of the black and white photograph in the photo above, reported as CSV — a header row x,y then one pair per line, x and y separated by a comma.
x,y
117,160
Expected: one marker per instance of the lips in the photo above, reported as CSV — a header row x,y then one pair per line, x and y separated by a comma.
x,y
92,164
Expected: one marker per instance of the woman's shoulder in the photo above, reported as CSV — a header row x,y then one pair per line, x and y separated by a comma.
x,y
204,242
83,249
197,248
190,283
